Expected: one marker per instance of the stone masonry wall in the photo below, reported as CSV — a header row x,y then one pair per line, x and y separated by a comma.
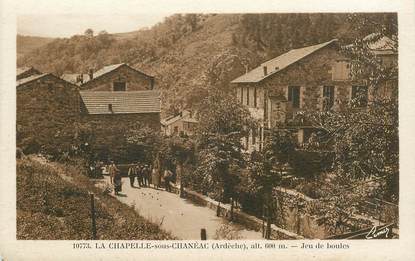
x,y
46,112
135,80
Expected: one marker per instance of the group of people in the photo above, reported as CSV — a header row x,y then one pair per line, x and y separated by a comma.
x,y
145,175
142,173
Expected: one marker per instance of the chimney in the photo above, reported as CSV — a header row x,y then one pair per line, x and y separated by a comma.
x,y
91,74
265,70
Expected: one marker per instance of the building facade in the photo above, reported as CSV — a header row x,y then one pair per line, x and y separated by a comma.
x,y
184,123
46,113
51,109
313,78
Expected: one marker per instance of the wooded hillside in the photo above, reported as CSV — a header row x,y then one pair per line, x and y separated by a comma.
x,y
192,53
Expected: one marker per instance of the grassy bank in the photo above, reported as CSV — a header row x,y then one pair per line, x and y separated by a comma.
x,y
53,204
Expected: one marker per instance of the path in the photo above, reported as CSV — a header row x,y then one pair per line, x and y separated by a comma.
x,y
179,216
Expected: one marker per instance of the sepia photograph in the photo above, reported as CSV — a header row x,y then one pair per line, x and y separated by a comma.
x,y
207,126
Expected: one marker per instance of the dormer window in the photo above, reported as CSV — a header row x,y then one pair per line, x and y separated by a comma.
x,y
119,86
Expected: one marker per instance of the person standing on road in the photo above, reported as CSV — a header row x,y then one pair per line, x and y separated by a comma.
x,y
146,175
167,178
155,178
115,177
112,171
117,180
132,172
140,174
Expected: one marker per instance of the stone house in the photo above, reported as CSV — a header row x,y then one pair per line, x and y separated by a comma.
x,y
47,110
311,78
112,114
184,123
112,101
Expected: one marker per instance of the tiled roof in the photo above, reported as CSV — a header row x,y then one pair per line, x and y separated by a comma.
x,y
30,78
107,69
279,63
99,102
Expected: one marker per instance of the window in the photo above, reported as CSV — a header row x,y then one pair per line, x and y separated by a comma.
x,y
294,96
328,97
255,96
110,108
359,96
119,86
176,130
247,96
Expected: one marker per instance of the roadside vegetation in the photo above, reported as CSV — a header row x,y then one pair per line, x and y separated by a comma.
x,y
53,203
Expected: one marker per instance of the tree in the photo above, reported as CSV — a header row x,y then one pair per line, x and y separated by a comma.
x,y
223,124
183,154
144,143
89,33
365,138
267,168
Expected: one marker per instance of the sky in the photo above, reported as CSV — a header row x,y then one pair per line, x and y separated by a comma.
x,y
64,18
66,25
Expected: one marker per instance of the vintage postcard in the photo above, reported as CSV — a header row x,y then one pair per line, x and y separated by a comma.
x,y
156,131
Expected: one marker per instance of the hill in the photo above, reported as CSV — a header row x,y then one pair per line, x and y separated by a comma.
x,y
26,44
190,54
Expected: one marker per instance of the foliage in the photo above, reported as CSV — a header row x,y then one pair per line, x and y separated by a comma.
x,y
227,232
340,201
274,34
266,170
143,143
224,124
365,136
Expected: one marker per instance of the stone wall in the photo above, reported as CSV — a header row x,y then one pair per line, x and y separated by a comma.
x,y
250,222
46,112
135,80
